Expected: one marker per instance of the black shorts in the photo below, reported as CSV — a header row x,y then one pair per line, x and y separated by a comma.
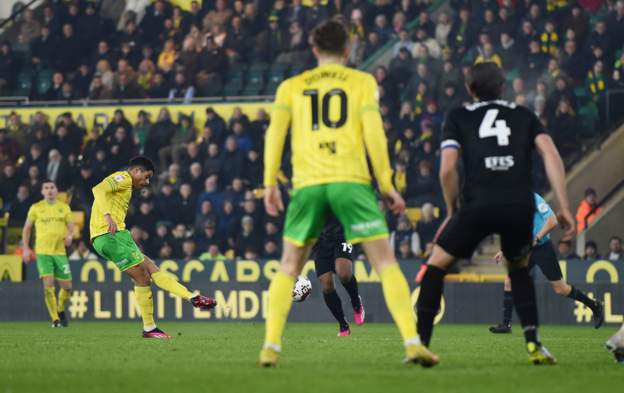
x,y
544,256
326,251
469,226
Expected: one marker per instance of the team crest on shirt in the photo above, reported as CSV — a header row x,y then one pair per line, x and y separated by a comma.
x,y
119,178
543,208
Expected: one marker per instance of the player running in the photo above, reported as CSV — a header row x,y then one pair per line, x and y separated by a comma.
x,y
543,255
496,140
333,114
616,345
53,232
112,241
332,254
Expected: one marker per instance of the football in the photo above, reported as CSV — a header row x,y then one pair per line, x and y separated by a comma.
x,y
303,289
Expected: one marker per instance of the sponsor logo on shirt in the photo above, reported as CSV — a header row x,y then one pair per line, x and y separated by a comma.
x,y
499,163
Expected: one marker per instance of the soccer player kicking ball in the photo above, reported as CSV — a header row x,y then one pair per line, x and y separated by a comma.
x,y
496,140
332,254
543,255
112,241
53,232
333,114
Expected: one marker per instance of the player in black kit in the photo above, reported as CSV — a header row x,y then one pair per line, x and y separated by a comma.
x,y
496,140
332,254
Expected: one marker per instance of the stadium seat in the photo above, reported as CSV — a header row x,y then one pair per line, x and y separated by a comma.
x,y
255,83
44,81
24,84
233,87
212,89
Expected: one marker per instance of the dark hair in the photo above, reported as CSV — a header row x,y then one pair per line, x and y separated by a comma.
x,y
591,244
590,191
486,81
330,37
46,181
142,162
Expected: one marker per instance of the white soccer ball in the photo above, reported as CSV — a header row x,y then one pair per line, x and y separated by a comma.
x,y
303,289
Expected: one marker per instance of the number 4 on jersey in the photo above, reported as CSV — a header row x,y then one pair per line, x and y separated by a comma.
x,y
492,127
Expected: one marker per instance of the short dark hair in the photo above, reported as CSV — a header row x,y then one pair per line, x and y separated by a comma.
x,y
590,191
142,162
486,81
330,37
46,181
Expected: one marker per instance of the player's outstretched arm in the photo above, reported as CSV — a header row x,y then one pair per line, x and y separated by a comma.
x,y
555,172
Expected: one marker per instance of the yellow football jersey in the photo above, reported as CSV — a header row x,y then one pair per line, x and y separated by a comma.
x,y
50,220
333,114
112,196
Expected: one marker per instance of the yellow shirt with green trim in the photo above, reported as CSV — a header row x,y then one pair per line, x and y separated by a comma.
x,y
112,196
50,220
333,114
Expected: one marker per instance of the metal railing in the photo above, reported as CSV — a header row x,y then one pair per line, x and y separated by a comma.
x,y
21,102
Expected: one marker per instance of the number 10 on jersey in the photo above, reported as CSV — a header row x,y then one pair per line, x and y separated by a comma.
x,y
339,95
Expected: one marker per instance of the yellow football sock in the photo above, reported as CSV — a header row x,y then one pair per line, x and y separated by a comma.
x,y
280,300
63,297
169,283
146,304
50,301
397,295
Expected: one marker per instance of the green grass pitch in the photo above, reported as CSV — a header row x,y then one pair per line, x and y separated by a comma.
x,y
220,357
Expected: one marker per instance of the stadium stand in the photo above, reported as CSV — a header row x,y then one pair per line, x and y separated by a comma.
x,y
562,60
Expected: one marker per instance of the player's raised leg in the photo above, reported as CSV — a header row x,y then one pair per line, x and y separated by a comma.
x,y
562,288
344,271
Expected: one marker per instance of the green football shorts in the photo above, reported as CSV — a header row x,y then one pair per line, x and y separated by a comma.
x,y
54,265
119,248
353,204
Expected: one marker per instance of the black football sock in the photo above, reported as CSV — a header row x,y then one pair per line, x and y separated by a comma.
x,y
579,295
352,289
525,303
507,307
335,306
429,301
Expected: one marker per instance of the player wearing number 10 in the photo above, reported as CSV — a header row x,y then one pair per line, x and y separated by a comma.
x,y
333,113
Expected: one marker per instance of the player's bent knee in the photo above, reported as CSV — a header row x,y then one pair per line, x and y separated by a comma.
x,y
327,283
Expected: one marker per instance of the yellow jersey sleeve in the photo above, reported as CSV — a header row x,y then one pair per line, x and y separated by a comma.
x,y
276,134
374,135
68,215
32,214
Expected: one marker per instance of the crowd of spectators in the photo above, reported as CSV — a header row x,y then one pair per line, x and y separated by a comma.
x,y
98,50
203,202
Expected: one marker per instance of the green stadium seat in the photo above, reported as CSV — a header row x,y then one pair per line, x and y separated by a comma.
x,y
24,84
233,87
258,68
44,81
